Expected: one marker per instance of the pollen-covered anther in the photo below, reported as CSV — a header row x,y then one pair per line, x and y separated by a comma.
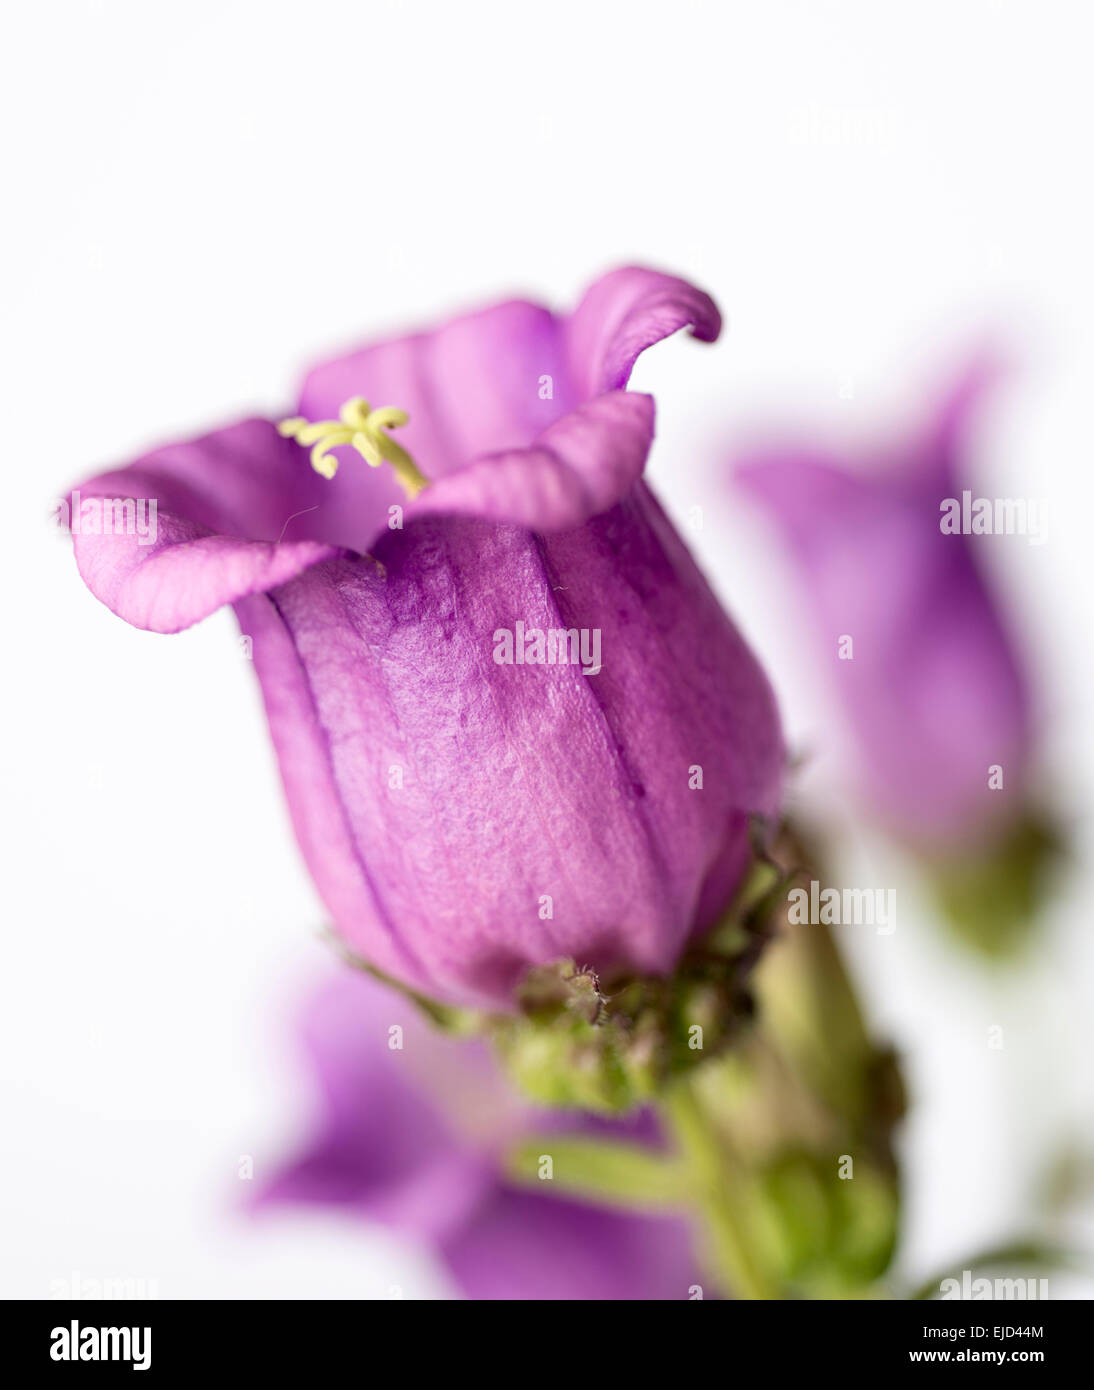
x,y
365,429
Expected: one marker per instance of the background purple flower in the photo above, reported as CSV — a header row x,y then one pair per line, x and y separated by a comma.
x,y
414,1138
465,819
935,694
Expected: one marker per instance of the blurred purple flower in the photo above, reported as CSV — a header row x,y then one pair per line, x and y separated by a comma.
x,y
934,694
465,819
413,1137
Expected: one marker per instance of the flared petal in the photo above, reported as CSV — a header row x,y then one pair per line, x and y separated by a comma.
x,y
578,467
505,421
484,383
625,312
493,399
190,527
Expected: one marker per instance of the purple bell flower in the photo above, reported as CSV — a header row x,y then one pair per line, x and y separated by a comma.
x,y
937,704
513,722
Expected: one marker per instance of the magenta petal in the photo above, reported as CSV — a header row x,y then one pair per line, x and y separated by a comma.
x,y
406,1135
936,459
578,467
187,575
934,695
325,832
441,796
493,399
471,385
520,1245
503,421
445,799
414,1137
227,524
625,312
482,383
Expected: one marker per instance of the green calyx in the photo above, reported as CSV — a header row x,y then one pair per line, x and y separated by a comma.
x,y
576,1044
578,1041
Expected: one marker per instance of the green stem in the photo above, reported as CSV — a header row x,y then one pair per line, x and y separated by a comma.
x,y
720,1196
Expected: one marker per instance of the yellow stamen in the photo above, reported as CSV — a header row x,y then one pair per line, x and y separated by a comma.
x,y
358,424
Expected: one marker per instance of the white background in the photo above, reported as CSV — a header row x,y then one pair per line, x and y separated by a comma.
x,y
200,199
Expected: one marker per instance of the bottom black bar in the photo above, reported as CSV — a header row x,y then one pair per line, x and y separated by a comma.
x,y
179,1339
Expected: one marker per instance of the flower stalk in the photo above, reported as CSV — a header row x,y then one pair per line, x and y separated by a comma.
x,y
718,1188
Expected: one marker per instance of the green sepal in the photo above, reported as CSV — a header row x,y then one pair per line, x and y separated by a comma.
x,y
575,1044
991,898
